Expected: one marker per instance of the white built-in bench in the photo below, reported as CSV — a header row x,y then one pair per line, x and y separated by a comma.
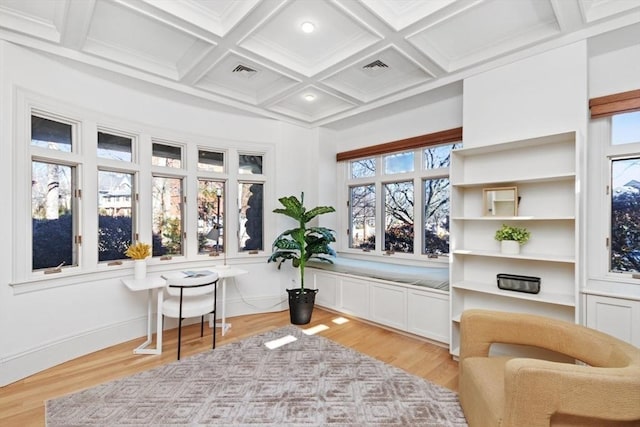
x,y
408,298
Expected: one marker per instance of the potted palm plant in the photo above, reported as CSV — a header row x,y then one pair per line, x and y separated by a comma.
x,y
300,244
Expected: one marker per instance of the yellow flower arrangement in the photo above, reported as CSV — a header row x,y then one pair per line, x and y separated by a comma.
x,y
138,251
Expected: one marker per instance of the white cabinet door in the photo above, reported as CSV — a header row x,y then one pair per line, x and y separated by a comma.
x,y
327,285
428,315
388,305
354,297
615,316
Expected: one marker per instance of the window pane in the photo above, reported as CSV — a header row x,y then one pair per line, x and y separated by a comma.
x,y
398,163
210,161
625,215
363,168
50,134
250,164
625,128
398,217
166,155
436,216
251,216
167,216
439,157
52,188
114,147
115,232
362,230
210,216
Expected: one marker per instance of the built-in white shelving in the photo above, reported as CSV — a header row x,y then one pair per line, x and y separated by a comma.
x,y
546,173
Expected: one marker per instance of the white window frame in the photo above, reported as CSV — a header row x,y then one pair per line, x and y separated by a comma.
x,y
419,174
84,157
601,153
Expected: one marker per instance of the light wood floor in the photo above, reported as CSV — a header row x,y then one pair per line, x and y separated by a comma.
x,y
22,403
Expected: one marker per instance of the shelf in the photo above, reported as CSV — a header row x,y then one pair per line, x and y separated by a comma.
x,y
514,218
516,145
492,288
530,257
523,179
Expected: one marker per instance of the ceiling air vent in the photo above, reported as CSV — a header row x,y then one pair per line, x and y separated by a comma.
x,y
374,68
244,71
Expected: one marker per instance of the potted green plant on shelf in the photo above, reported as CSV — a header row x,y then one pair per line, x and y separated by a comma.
x,y
300,244
511,238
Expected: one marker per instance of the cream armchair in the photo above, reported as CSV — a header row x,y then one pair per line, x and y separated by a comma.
x,y
601,389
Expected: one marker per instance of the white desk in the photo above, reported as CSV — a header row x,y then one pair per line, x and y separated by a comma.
x,y
158,283
149,284
224,273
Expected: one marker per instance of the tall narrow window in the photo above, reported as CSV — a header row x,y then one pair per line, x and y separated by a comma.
x,y
115,214
625,215
52,214
167,216
210,217
362,214
436,216
436,192
624,160
251,219
398,216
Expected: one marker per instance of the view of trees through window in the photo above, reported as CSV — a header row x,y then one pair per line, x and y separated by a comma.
x,y
210,216
52,191
625,196
398,205
167,216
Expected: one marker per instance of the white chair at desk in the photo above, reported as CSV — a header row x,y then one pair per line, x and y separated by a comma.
x,y
191,296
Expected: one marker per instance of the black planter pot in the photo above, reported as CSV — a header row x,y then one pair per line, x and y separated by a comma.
x,y
301,305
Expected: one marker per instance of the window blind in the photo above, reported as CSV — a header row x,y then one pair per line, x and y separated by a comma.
x,y
623,102
450,135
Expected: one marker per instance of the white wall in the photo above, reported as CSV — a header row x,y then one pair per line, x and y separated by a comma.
x,y
614,62
42,328
540,95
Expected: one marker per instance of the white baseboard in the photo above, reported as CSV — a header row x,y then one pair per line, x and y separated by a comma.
x,y
21,365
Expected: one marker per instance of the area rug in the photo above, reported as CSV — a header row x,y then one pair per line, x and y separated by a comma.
x,y
311,381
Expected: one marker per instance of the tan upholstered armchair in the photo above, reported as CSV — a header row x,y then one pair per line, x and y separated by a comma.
x,y
602,390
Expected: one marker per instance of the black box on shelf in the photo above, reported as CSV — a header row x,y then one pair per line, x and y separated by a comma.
x,y
513,282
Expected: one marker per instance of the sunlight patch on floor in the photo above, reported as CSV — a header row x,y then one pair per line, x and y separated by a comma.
x,y
340,320
280,342
315,329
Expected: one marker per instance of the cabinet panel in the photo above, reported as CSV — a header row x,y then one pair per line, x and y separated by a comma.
x,y
328,289
425,314
614,316
354,297
388,305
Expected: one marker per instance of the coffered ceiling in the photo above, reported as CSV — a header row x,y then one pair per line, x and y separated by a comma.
x,y
252,55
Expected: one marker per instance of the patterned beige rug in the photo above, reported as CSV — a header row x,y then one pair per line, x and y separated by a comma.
x,y
308,382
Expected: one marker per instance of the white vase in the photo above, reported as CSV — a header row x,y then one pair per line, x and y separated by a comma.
x,y
510,247
139,269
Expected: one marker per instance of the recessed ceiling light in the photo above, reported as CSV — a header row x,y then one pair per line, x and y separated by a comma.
x,y
308,27
309,97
